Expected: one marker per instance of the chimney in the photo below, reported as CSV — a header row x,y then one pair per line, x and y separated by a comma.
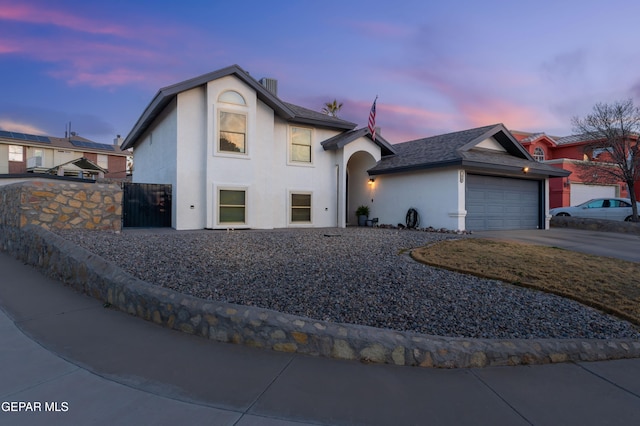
x,y
118,140
271,84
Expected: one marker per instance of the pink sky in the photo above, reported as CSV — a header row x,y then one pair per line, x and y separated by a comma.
x,y
436,67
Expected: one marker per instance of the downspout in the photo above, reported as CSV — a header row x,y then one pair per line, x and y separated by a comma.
x,y
337,195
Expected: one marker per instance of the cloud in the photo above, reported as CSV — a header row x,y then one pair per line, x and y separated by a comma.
x,y
475,97
26,13
379,29
398,123
566,68
45,121
95,52
15,126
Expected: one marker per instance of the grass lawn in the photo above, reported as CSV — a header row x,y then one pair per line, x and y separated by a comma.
x,y
610,285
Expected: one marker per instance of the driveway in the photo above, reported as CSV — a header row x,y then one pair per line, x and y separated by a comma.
x,y
610,244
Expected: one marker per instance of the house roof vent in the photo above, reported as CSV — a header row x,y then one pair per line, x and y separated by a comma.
x,y
271,84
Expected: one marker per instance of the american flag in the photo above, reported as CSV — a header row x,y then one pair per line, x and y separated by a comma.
x,y
372,120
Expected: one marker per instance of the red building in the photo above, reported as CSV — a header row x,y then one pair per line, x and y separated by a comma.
x,y
589,178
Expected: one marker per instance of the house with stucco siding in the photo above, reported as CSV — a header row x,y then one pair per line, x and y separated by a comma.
x,y
237,156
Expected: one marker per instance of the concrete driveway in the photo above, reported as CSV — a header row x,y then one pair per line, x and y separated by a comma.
x,y
610,244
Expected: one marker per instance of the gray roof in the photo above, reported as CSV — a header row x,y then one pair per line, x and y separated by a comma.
x,y
572,139
304,115
532,137
282,109
81,144
339,141
457,149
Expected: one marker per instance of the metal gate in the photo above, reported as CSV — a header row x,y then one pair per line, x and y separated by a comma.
x,y
146,205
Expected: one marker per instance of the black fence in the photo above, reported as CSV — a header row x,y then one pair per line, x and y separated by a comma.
x,y
146,205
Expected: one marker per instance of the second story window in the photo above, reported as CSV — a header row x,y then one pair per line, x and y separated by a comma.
x,y
232,97
103,161
232,123
233,132
300,150
538,154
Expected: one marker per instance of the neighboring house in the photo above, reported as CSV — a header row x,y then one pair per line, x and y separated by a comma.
x,y
72,156
237,156
573,154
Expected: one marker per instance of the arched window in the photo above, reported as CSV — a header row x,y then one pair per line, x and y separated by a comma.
x,y
232,123
231,97
538,154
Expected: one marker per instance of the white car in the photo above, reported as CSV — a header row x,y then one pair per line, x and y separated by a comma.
x,y
599,208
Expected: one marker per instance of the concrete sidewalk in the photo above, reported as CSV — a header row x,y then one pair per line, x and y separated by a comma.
x,y
97,366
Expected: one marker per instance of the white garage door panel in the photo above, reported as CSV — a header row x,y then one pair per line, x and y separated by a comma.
x,y
501,203
581,192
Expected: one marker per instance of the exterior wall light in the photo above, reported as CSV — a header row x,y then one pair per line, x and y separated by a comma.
x,y
525,170
371,181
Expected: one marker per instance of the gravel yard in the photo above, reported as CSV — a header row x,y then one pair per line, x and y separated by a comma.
x,y
353,275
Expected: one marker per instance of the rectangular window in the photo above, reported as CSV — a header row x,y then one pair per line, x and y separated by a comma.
x,y
301,208
300,145
16,153
103,161
232,205
233,132
38,156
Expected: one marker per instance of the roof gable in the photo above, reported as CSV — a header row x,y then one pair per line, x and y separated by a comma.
x,y
79,164
491,144
339,141
467,148
538,137
282,109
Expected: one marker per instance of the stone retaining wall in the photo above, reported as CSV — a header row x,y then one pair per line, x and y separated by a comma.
x,y
224,322
61,205
595,224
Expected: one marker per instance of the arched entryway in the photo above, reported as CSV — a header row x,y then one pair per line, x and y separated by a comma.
x,y
359,191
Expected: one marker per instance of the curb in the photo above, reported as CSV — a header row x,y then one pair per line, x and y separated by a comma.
x,y
224,322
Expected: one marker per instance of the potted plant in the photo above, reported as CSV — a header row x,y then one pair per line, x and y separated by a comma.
x,y
363,214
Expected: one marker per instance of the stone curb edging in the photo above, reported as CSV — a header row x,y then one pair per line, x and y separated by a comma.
x,y
600,225
62,260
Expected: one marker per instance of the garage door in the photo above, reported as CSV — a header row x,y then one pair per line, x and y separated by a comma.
x,y
501,203
581,192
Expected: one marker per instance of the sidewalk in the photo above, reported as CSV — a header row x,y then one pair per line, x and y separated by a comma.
x,y
105,367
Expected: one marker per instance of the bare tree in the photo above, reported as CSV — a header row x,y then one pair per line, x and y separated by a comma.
x,y
332,108
614,129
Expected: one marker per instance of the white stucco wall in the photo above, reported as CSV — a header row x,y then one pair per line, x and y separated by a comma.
x,y
358,156
181,149
154,158
236,171
189,195
435,194
265,172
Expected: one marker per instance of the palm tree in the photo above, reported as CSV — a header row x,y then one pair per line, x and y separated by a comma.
x,y
332,108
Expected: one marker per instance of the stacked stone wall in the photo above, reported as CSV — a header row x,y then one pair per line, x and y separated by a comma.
x,y
589,224
225,322
61,205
